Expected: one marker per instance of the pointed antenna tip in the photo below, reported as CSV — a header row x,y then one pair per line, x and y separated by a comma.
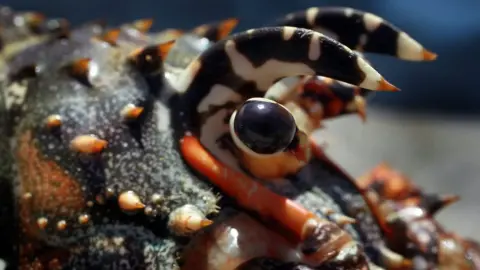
x,y
429,56
384,85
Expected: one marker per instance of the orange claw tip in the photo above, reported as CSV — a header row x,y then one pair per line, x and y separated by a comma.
x,y
429,56
384,85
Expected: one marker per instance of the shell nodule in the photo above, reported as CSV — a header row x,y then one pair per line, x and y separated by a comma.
x,y
88,144
187,219
129,201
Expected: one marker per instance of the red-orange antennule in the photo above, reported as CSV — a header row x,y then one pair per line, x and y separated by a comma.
x,y
226,27
246,191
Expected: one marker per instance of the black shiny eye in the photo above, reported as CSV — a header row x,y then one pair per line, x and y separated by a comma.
x,y
263,126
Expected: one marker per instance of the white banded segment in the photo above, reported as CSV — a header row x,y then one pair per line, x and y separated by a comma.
x,y
359,30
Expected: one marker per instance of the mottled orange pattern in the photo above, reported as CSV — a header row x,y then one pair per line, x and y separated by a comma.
x,y
46,189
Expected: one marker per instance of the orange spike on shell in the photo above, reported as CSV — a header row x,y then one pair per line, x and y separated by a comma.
x,y
88,144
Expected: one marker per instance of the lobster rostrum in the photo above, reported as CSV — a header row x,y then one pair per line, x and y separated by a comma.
x,y
131,150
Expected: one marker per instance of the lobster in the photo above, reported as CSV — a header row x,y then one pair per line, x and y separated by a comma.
x,y
192,149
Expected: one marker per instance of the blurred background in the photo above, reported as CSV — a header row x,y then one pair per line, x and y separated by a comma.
x,y
430,130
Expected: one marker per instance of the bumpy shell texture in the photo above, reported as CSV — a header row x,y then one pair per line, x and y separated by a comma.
x,y
118,152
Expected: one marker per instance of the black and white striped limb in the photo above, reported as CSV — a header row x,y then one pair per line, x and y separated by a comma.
x,y
248,64
359,30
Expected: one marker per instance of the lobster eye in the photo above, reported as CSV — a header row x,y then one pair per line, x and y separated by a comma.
x,y
262,126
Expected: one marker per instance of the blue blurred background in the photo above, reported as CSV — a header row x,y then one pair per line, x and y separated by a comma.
x,y
429,130
449,28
